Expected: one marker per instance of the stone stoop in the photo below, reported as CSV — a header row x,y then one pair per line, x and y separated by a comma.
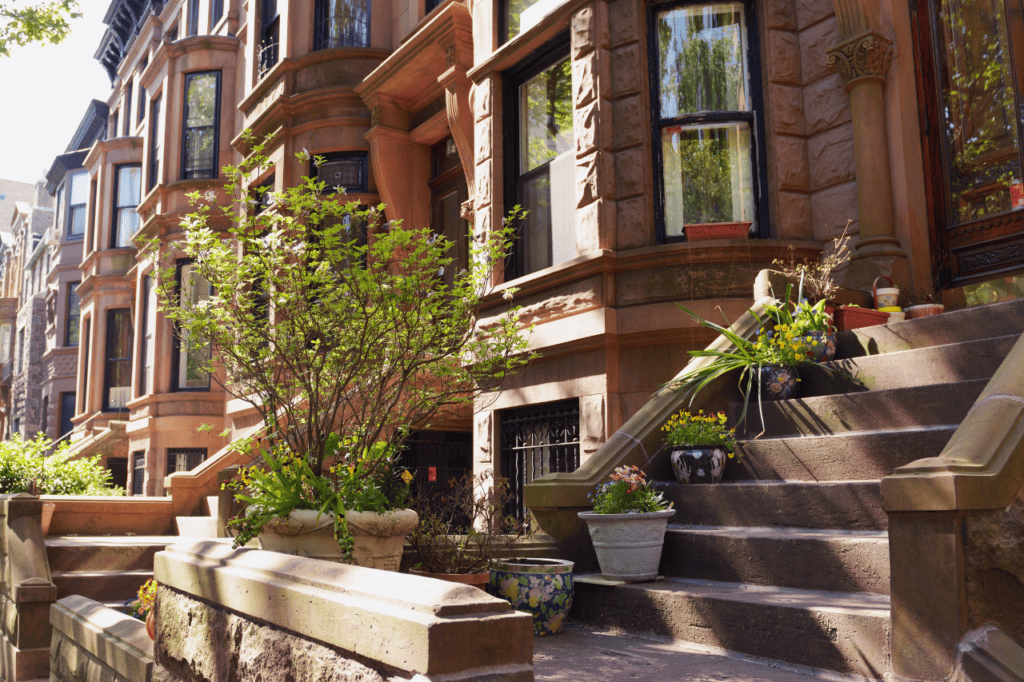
x,y
109,570
788,558
202,527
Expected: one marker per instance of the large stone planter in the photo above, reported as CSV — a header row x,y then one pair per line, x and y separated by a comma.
x,y
628,546
542,587
378,538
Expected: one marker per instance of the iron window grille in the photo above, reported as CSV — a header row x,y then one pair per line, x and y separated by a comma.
x,y
138,473
536,441
154,144
127,194
341,23
78,191
118,377
201,123
74,315
270,36
707,130
184,459
438,459
345,170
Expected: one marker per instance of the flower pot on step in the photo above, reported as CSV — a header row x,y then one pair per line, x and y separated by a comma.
x,y
924,310
820,346
885,297
696,464
778,382
628,546
542,587
851,317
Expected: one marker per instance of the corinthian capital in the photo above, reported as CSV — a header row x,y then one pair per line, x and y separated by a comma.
x,y
865,55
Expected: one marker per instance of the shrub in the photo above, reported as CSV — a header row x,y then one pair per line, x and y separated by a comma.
x,y
25,467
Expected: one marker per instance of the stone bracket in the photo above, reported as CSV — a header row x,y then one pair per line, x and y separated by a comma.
x,y
460,118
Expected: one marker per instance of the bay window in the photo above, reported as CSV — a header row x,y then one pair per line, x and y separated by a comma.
x,y
705,108
341,23
127,193
541,166
190,358
118,370
200,138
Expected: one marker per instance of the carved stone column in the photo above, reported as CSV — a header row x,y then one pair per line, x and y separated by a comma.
x,y
862,60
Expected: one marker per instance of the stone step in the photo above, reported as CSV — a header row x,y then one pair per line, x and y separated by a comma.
x,y
804,558
857,456
102,586
131,553
915,406
848,505
842,632
970,324
933,365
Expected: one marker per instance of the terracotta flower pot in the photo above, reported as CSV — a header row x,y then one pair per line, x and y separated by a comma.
x,y
924,310
850,317
706,231
479,580
151,623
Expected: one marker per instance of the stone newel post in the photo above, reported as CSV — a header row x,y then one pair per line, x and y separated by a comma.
x,y
862,57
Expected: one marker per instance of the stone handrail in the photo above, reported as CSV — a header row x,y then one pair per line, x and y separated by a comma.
x,y
982,465
94,642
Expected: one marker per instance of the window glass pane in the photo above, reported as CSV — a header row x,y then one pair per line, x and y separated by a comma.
x,y
701,60
200,131
522,14
76,220
707,174
79,188
342,23
148,331
191,358
119,362
983,150
129,186
535,196
545,116
74,314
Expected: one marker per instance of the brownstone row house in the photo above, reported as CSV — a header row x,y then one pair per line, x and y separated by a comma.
x,y
618,125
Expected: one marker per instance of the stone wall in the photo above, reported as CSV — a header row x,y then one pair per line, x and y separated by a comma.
x,y
27,378
92,642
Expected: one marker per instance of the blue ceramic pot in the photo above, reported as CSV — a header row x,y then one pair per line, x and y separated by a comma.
x,y
820,346
778,382
697,464
542,587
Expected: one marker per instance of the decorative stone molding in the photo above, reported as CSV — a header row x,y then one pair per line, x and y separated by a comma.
x,y
460,117
865,55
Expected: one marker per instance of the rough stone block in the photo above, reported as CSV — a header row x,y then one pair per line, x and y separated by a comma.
x,y
780,14
784,64
483,184
790,158
624,21
810,12
814,45
628,70
631,121
786,109
633,225
793,218
594,176
629,172
594,226
93,642
826,104
831,208
589,29
594,127
484,144
830,157
483,98
588,73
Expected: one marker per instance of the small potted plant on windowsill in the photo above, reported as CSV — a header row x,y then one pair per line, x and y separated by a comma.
x,y
627,507
699,446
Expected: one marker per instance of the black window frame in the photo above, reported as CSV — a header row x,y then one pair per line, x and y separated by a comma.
x,y
84,353
138,465
128,94
213,170
322,40
552,52
110,363
68,234
755,117
44,414
67,412
176,339
72,321
331,157
154,142
117,208
191,456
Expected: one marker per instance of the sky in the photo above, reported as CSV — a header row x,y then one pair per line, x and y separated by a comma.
x,y
45,92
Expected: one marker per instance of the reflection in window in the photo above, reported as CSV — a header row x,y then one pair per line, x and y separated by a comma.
x,y
128,193
980,129
705,116
149,309
76,204
118,377
74,313
199,153
545,169
154,144
341,23
190,357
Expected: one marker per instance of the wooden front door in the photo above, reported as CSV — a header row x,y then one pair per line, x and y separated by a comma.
x,y
970,69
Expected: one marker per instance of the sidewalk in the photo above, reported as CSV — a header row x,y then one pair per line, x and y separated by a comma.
x,y
578,655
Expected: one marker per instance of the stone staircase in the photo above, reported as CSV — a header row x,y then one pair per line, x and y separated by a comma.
x,y
788,558
109,570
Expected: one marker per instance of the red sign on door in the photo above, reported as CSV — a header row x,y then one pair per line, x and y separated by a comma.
x,y
431,473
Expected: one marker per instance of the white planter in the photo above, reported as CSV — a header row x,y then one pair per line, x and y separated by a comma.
x,y
628,546
378,538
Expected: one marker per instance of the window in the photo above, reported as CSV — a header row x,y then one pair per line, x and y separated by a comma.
x,y
347,170
149,308
541,166
138,473
705,117
520,15
76,205
172,33
447,193
90,241
270,35
142,104
341,23
536,441
128,109
193,18
184,459
190,359
74,313
44,413
114,119
67,411
118,467
200,139
216,12
127,193
19,360
86,362
154,144
5,342
118,380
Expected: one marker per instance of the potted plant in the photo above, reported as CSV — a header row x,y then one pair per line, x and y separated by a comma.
x,y
538,586
462,530
923,304
141,608
699,446
885,297
627,526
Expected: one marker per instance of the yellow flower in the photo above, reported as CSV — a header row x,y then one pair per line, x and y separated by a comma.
x,y
407,476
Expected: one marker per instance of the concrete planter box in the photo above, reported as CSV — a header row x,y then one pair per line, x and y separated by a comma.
x,y
628,546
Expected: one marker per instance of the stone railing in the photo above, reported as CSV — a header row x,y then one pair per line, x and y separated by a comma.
x,y
955,527
110,515
94,642
26,590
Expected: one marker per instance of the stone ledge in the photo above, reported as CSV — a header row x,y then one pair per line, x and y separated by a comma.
x,y
406,623
117,641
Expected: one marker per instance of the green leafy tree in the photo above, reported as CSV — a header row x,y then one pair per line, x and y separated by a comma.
x,y
45,22
28,466
331,322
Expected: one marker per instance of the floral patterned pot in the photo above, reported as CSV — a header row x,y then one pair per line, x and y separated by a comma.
x,y
697,464
821,346
628,546
542,587
778,382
